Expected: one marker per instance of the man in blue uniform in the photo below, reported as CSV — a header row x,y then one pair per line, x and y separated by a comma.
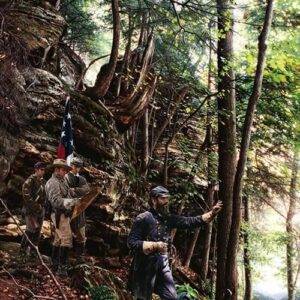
x,y
149,239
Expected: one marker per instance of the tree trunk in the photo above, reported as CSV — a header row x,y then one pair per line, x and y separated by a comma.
x,y
168,119
145,158
207,240
136,57
106,74
191,248
227,136
247,262
125,62
236,212
290,230
208,231
179,212
131,107
208,234
210,199
210,167
165,170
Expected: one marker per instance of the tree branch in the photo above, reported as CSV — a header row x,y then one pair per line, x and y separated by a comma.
x,y
24,287
86,69
37,251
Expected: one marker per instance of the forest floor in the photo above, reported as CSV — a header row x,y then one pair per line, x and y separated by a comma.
x,y
21,280
27,279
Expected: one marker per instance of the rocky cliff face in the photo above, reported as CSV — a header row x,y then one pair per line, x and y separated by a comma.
x,y
32,105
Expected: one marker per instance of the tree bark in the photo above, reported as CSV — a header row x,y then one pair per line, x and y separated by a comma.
x,y
227,136
106,74
145,158
137,57
236,212
247,262
179,212
208,235
210,167
290,230
125,62
131,107
165,170
191,248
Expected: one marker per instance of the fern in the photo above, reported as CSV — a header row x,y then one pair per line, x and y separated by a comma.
x,y
101,292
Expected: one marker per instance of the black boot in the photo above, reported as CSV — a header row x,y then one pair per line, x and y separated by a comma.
x,y
24,244
35,240
63,260
55,258
80,253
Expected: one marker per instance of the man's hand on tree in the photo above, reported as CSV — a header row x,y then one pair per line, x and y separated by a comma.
x,y
216,208
209,216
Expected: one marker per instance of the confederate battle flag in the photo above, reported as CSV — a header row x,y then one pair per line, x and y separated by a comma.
x,y
66,146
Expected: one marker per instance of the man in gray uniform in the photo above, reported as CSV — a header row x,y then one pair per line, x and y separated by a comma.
x,y
61,200
79,187
33,207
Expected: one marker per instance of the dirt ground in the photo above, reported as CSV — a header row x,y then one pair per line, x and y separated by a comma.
x,y
41,285
25,280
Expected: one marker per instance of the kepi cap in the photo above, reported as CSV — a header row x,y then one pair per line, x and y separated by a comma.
x,y
40,165
77,162
159,191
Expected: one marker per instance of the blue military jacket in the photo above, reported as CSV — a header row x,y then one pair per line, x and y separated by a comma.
x,y
151,226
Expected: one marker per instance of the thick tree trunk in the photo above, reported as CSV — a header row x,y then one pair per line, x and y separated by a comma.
x,y
247,262
236,213
227,137
290,230
106,74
